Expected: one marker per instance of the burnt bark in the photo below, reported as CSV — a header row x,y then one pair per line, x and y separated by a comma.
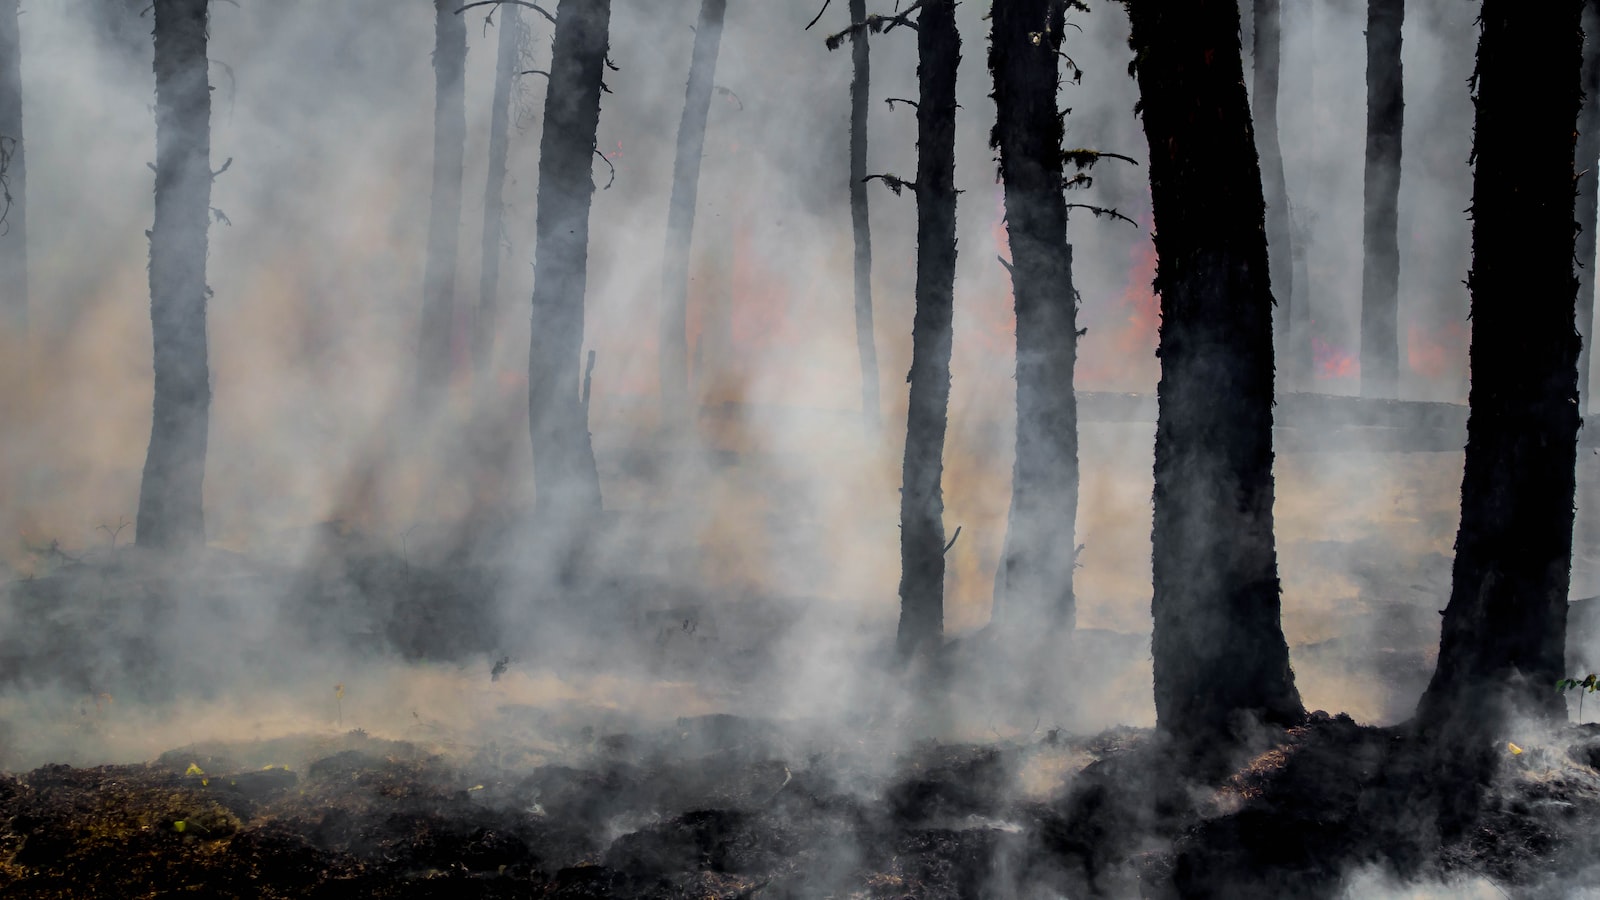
x,y
1267,57
921,497
444,214
13,177
170,516
866,343
1503,642
1028,132
1380,231
1588,166
1219,652
680,214
508,53
567,483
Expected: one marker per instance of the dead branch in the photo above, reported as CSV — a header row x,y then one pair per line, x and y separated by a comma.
x,y
613,179
1010,270
1085,159
893,100
819,14
588,382
534,72
728,92
875,24
223,169
893,182
533,6
952,539
1099,211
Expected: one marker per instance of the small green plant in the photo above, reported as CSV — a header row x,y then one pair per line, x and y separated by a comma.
x,y
1586,686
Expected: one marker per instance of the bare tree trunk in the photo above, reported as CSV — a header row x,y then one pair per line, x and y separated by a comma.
x,y
1220,655
1280,236
1588,167
866,343
921,497
13,177
444,214
680,215
170,516
1380,281
512,34
1028,132
563,455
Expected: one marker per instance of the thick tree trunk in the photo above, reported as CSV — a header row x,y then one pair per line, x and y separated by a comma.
x,y
1588,166
169,515
1268,45
13,178
921,498
1218,644
564,471
1028,132
444,215
1380,233
680,215
512,32
866,343
1503,642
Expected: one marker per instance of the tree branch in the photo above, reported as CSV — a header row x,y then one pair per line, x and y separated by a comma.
x,y
533,6
893,182
819,14
875,24
893,100
1099,211
613,179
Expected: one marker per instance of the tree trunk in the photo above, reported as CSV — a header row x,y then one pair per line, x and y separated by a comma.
x,y
13,177
512,34
680,215
1268,45
567,482
1503,642
1380,233
1218,645
169,515
921,499
444,214
1588,167
1028,132
866,344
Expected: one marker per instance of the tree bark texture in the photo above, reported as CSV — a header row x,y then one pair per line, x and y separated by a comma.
x,y
444,214
921,498
1268,44
1038,558
1588,166
1380,231
1504,633
567,483
509,53
169,516
866,342
680,215
13,177
1219,651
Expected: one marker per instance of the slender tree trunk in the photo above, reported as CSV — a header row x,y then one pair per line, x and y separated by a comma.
x,y
563,455
13,177
1218,642
1588,166
921,498
1504,634
1028,133
1268,46
512,32
866,343
170,515
1380,279
680,215
444,214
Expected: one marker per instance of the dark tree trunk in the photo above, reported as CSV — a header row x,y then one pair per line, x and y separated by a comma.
x,y
1503,642
558,419
1218,643
13,177
921,498
444,214
1280,236
169,515
866,344
1028,132
1380,233
1588,166
512,32
680,215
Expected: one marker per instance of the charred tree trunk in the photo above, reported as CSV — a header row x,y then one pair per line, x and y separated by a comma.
x,y
13,177
564,471
512,31
921,498
1588,166
1028,131
170,515
1280,236
1218,644
680,215
866,342
1504,634
444,214
1380,273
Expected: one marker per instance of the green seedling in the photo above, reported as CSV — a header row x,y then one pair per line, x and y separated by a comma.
x,y
1586,686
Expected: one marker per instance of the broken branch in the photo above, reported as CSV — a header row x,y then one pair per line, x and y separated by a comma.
x,y
533,6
